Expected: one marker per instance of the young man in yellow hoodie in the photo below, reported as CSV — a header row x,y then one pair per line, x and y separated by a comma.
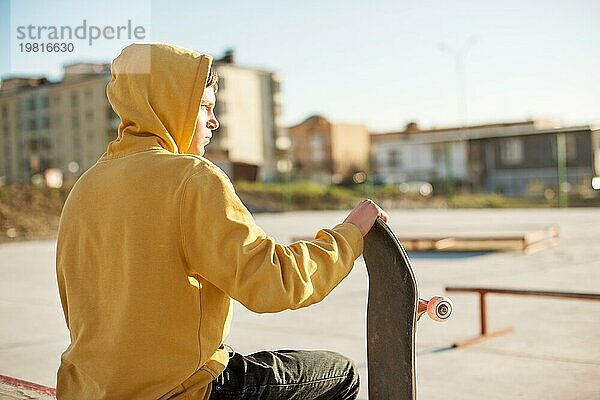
x,y
153,244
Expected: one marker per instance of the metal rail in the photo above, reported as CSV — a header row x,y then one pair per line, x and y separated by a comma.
x,y
484,334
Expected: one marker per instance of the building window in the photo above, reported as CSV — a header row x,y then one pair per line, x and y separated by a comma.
x,y
32,124
75,121
74,99
221,83
45,123
438,154
88,93
33,145
317,148
511,151
45,101
45,143
276,86
31,103
394,159
570,147
4,111
89,115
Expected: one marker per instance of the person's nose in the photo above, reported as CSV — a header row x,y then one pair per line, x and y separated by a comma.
x,y
212,123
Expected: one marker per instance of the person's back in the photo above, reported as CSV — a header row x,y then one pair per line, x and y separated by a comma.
x,y
135,314
153,243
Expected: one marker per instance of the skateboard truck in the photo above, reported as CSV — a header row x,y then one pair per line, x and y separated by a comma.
x,y
438,308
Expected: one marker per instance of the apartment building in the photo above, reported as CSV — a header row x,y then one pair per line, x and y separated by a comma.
x,y
12,144
249,112
67,125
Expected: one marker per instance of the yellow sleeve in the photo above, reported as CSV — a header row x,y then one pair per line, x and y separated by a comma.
x,y
223,244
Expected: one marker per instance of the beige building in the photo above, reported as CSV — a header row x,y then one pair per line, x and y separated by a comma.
x,y
64,125
328,152
12,155
249,110
82,120
68,124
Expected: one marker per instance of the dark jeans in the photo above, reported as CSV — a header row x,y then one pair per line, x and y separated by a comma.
x,y
287,374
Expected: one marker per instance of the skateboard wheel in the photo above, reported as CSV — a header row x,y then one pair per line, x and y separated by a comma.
x,y
439,308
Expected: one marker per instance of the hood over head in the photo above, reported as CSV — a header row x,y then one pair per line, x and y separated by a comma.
x,y
156,89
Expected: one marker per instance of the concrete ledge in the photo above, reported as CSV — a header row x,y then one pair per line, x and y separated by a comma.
x,y
17,389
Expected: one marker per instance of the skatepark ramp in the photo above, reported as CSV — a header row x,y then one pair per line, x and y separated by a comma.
x,y
525,240
467,239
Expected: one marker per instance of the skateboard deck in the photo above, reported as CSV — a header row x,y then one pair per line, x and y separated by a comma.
x,y
393,309
391,316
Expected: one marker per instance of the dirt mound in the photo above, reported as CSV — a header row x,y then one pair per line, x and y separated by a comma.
x,y
28,212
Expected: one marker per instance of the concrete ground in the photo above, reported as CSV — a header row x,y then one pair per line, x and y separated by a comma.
x,y
553,352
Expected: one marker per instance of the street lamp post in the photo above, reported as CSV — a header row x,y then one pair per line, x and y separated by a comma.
x,y
461,107
459,55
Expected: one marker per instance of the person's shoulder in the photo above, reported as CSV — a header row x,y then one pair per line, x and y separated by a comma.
x,y
198,167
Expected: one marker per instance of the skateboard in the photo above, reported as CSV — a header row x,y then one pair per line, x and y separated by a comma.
x,y
393,309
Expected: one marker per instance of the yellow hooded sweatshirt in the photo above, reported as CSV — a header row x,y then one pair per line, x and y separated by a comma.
x,y
154,243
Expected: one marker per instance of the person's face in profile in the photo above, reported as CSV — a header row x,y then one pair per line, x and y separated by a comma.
x,y
206,122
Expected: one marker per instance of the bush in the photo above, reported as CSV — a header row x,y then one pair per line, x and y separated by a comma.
x,y
495,201
298,195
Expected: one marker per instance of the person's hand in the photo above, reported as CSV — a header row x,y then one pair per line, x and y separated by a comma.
x,y
364,215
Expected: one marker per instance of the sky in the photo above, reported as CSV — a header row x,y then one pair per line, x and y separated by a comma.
x,y
381,63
